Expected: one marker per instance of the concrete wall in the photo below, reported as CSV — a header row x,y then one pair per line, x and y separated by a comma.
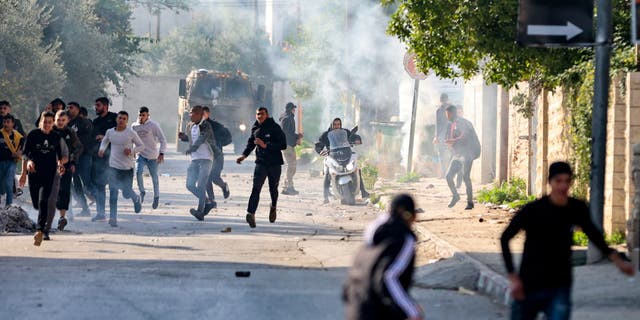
x,y
159,94
519,136
481,108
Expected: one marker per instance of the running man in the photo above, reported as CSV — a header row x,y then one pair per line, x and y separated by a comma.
x,y
288,122
99,165
121,163
43,163
151,134
543,283
223,138
82,175
202,151
268,139
74,148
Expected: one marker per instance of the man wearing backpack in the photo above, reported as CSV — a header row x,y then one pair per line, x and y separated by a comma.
x,y
465,147
223,138
151,134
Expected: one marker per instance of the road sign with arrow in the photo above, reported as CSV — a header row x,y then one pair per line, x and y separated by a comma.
x,y
555,23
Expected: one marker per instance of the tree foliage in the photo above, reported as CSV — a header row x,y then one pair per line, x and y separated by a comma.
x,y
32,69
227,46
466,38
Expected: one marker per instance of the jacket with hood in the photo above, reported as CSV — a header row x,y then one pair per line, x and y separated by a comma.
x,y
287,120
466,143
378,282
271,133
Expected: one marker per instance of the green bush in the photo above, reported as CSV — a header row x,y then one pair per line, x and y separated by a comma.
x,y
581,239
410,177
616,238
369,175
512,193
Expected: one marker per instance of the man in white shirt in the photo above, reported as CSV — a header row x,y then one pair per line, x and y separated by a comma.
x,y
151,134
201,148
121,163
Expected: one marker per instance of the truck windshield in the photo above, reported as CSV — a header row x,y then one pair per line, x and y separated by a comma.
x,y
237,89
208,88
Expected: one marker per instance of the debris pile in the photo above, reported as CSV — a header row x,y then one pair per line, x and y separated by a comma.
x,y
14,219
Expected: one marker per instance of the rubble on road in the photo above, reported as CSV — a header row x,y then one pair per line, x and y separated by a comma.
x,y
15,219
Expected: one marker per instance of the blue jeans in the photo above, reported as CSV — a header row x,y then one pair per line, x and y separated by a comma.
x,y
100,176
120,180
152,164
216,177
7,179
197,179
82,180
554,303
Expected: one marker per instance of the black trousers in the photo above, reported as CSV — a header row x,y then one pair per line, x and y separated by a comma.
x,y
460,165
44,190
260,174
64,194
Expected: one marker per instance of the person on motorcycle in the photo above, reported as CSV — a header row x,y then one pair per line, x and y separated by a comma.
x,y
322,147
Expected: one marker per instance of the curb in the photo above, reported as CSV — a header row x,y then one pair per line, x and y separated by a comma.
x,y
488,282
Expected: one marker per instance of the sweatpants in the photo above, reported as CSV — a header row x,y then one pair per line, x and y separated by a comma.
x,y
43,188
260,174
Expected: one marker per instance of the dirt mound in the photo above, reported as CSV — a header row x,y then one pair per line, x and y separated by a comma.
x,y
14,219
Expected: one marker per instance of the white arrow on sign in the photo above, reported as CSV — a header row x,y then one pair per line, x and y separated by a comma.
x,y
570,30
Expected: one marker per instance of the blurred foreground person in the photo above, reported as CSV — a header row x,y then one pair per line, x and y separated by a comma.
x,y
378,282
544,281
44,162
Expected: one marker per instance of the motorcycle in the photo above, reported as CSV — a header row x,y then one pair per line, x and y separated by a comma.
x,y
341,163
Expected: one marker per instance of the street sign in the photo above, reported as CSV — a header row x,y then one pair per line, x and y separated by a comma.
x,y
554,23
411,67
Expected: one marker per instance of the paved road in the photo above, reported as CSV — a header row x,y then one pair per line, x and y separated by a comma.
x,y
163,264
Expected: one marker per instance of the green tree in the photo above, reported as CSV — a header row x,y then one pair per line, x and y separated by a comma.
x,y
466,38
33,72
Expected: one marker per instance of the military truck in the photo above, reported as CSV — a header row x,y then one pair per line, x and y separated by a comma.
x,y
231,97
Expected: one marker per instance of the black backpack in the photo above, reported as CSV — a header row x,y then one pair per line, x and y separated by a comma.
x,y
222,134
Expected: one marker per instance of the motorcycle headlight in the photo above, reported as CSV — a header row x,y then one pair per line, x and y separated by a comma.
x,y
242,127
351,166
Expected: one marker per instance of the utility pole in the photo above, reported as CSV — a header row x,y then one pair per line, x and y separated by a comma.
x,y
599,122
158,26
256,15
414,110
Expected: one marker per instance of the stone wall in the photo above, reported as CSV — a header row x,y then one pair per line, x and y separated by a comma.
x,y
614,207
519,135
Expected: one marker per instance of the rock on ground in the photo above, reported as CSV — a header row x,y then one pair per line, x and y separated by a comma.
x,y
15,219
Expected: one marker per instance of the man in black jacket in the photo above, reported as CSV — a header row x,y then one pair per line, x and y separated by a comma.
x,y
82,175
269,140
99,173
288,122
378,282
543,283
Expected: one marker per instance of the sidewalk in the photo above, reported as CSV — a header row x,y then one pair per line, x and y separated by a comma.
x,y
471,237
